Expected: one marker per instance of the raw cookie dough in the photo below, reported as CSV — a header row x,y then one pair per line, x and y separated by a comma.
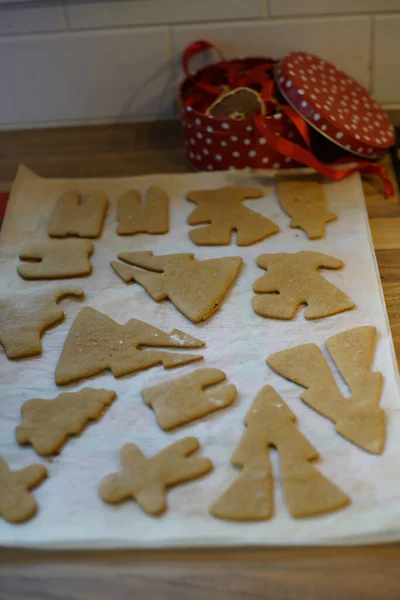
x,y
16,503
56,259
137,217
296,279
270,423
185,399
24,318
195,287
305,202
77,215
146,479
46,424
359,418
95,343
223,209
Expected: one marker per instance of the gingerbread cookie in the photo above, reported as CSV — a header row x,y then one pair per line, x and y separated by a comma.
x,y
196,288
46,424
137,217
359,418
56,260
95,343
223,209
146,479
77,215
240,103
16,503
305,202
292,280
23,319
271,424
185,399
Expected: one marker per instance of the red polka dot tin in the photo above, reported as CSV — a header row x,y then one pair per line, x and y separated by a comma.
x,y
315,115
213,143
219,144
334,104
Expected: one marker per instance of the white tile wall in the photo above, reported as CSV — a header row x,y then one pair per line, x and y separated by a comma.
x,y
78,77
277,38
83,14
386,58
31,17
64,61
285,8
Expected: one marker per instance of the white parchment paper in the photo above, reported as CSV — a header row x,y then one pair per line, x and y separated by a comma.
x,y
71,514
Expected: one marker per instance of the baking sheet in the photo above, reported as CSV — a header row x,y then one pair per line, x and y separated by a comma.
x,y
71,514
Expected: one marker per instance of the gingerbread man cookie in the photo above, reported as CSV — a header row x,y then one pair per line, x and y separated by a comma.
x,y
146,479
223,209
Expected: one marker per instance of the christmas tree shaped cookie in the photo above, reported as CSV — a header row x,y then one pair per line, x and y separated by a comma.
x,y
223,209
271,424
95,343
46,424
195,287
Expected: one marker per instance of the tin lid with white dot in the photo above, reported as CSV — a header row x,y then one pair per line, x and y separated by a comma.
x,y
334,104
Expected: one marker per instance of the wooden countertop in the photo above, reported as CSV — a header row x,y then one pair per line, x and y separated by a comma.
x,y
365,573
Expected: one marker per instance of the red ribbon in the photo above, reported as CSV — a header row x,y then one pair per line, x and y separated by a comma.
x,y
216,79
225,75
197,48
306,157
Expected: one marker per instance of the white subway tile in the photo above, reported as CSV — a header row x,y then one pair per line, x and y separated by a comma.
x,y
342,41
82,14
80,76
31,17
385,59
285,8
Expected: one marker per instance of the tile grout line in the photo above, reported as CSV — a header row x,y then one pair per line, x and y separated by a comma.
x,y
191,24
70,33
65,18
372,56
123,28
368,13
173,78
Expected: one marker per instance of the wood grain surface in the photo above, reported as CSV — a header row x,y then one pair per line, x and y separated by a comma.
x,y
365,573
